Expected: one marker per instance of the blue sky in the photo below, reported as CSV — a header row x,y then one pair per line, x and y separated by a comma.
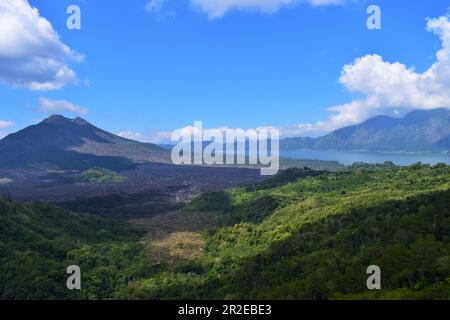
x,y
148,71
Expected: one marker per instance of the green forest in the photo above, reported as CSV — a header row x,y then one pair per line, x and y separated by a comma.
x,y
302,234
101,175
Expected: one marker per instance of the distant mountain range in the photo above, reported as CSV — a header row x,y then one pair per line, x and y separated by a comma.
x,y
421,130
62,143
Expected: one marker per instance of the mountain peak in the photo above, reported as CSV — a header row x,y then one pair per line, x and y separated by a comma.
x,y
61,120
55,119
80,121
75,144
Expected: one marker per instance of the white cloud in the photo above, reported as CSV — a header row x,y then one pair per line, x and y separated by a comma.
x,y
31,53
56,106
389,88
131,135
157,7
160,137
164,137
196,132
5,124
218,8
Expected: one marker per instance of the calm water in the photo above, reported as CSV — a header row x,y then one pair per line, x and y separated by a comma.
x,y
350,157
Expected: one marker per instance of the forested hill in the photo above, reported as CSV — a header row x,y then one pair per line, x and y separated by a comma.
x,y
313,238
38,242
300,235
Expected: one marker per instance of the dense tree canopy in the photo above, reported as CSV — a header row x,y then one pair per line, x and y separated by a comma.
x,y
301,235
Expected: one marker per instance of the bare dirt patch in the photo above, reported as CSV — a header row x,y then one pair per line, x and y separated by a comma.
x,y
175,237
176,248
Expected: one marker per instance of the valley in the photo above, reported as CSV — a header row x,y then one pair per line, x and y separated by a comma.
x,y
143,191
303,234
76,165
218,152
153,230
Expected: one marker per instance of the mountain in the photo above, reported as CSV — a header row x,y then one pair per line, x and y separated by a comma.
x,y
62,143
444,143
420,130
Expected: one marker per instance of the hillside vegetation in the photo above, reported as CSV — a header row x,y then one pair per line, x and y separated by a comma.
x,y
101,175
314,237
302,234
38,242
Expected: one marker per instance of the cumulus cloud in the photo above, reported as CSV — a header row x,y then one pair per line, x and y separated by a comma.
x,y
161,137
136,136
389,88
158,8
218,8
4,124
57,106
165,137
155,6
31,53
197,132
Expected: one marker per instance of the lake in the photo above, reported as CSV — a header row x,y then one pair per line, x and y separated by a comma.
x,y
350,157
